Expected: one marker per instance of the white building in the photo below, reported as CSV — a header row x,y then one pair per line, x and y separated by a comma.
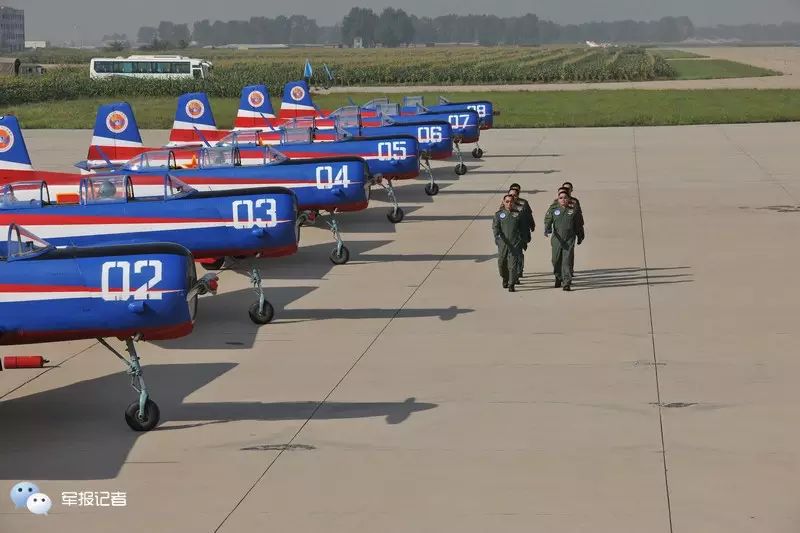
x,y
12,29
33,45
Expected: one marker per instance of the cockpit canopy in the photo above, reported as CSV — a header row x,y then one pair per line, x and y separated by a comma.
x,y
413,101
347,116
375,102
105,190
220,156
297,135
22,244
24,195
387,109
120,189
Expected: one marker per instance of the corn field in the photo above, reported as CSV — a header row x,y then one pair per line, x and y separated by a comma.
x,y
448,66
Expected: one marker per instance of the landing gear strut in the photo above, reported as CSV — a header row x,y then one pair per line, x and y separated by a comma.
x,y
431,189
143,414
339,255
395,214
461,168
262,311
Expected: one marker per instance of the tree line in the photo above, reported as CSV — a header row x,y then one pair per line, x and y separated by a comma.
x,y
394,27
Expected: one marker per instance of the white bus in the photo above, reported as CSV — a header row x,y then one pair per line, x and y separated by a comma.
x,y
155,67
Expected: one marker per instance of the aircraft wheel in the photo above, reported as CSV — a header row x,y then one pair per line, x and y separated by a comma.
x,y
461,169
395,216
215,265
432,189
144,423
477,153
340,258
261,317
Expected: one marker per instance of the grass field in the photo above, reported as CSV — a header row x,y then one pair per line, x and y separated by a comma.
x,y
667,53
376,67
422,66
518,109
703,69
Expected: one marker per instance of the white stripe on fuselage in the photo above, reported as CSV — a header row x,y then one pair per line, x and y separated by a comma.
x,y
48,231
110,141
11,297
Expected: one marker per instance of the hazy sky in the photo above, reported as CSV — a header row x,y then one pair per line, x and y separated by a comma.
x,y
58,20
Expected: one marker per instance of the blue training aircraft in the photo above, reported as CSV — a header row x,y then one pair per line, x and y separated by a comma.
x,y
257,222
130,291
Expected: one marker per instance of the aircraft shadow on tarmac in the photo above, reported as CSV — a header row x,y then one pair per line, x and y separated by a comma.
x,y
520,171
608,278
283,316
525,192
311,262
77,432
779,208
520,156
222,321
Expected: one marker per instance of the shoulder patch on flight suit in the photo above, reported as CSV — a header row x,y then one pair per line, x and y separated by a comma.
x,y
557,212
570,212
502,215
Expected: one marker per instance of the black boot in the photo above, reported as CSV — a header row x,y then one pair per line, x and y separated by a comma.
x,y
511,288
558,283
566,287
505,283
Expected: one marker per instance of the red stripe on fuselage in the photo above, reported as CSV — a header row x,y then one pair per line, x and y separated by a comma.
x,y
52,178
70,220
152,334
193,135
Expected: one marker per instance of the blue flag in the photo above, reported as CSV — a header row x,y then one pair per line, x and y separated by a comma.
x,y
328,71
307,71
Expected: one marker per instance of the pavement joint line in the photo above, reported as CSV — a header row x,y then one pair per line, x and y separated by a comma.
x,y
758,164
382,330
652,331
48,369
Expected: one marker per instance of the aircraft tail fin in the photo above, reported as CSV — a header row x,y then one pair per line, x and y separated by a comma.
x,y
13,152
193,113
296,102
255,108
116,136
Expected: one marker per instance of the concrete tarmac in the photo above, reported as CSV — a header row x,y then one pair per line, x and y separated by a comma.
x,y
407,391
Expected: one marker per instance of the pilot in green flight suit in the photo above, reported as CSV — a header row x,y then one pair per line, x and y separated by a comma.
x,y
565,222
509,229
523,207
567,186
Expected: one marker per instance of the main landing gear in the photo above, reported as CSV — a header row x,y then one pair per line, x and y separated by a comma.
x,y
261,312
395,214
431,189
461,168
143,414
